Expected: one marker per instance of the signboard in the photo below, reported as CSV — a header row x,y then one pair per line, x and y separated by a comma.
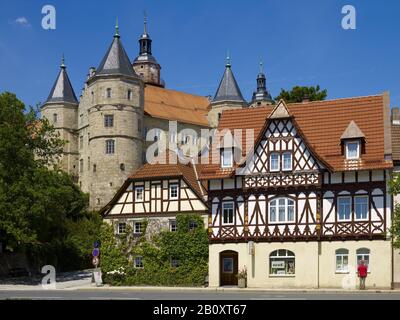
x,y
95,252
278,264
281,272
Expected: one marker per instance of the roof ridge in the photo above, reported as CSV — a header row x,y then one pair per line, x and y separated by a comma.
x,y
174,90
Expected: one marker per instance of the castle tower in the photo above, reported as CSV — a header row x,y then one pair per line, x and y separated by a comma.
x,y
145,65
110,125
228,96
61,109
261,96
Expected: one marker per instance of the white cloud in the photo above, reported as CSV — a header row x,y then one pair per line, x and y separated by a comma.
x,y
22,21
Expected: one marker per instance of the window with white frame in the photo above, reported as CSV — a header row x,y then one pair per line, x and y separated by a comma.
x,y
282,262
138,262
342,260
363,254
281,210
138,227
352,149
274,162
227,212
361,207
139,194
172,225
110,146
173,191
344,208
287,161
226,158
121,227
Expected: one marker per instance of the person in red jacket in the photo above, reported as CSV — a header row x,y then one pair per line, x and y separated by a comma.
x,y
362,274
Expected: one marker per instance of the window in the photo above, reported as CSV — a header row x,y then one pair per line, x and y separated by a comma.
x,y
227,213
129,95
227,265
344,208
139,194
287,161
361,207
172,225
138,262
174,263
55,118
281,210
81,165
342,260
352,150
80,142
138,227
122,166
192,225
92,96
173,191
363,255
110,146
109,120
88,163
108,92
282,262
121,227
226,158
274,162
94,168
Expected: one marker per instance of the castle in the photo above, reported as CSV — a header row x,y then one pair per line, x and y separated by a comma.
x,y
121,101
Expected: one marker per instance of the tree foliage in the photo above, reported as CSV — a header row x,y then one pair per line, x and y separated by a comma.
x,y
298,94
42,211
189,247
394,189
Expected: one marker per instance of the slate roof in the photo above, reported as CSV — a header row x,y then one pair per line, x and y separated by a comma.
x,y
322,124
62,90
116,60
228,89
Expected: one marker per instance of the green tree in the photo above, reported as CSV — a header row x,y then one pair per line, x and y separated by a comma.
x,y
298,93
394,188
40,205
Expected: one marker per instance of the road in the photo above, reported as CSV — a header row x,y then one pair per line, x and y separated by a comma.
x,y
105,294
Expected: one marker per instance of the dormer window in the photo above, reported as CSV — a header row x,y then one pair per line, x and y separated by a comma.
x,y
352,150
226,158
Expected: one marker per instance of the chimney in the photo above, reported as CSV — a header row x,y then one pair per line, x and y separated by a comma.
x,y
306,98
395,117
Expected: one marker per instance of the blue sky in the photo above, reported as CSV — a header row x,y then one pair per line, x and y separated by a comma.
x,y
300,43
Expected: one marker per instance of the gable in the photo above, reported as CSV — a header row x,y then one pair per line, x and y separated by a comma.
x,y
281,135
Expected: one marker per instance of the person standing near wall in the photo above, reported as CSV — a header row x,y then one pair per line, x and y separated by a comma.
x,y
362,274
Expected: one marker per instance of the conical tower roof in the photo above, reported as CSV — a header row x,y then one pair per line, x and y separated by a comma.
x,y
62,90
228,89
116,60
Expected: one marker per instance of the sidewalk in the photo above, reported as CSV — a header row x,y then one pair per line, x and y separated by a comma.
x,y
86,285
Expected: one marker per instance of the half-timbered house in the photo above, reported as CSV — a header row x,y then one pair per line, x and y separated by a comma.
x,y
154,195
309,201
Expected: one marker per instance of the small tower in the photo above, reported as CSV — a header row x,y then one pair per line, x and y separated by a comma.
x,y
261,96
228,96
145,65
61,109
110,125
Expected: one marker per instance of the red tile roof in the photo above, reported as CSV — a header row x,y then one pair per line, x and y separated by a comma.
x,y
322,123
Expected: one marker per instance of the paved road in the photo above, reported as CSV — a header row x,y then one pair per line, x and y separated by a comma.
x,y
104,294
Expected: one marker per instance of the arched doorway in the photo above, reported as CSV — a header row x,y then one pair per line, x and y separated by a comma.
x,y
228,264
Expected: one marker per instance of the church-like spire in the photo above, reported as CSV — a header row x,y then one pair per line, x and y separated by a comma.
x,y
116,60
228,89
262,93
145,41
62,90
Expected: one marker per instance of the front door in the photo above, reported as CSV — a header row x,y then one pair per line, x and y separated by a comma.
x,y
228,268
